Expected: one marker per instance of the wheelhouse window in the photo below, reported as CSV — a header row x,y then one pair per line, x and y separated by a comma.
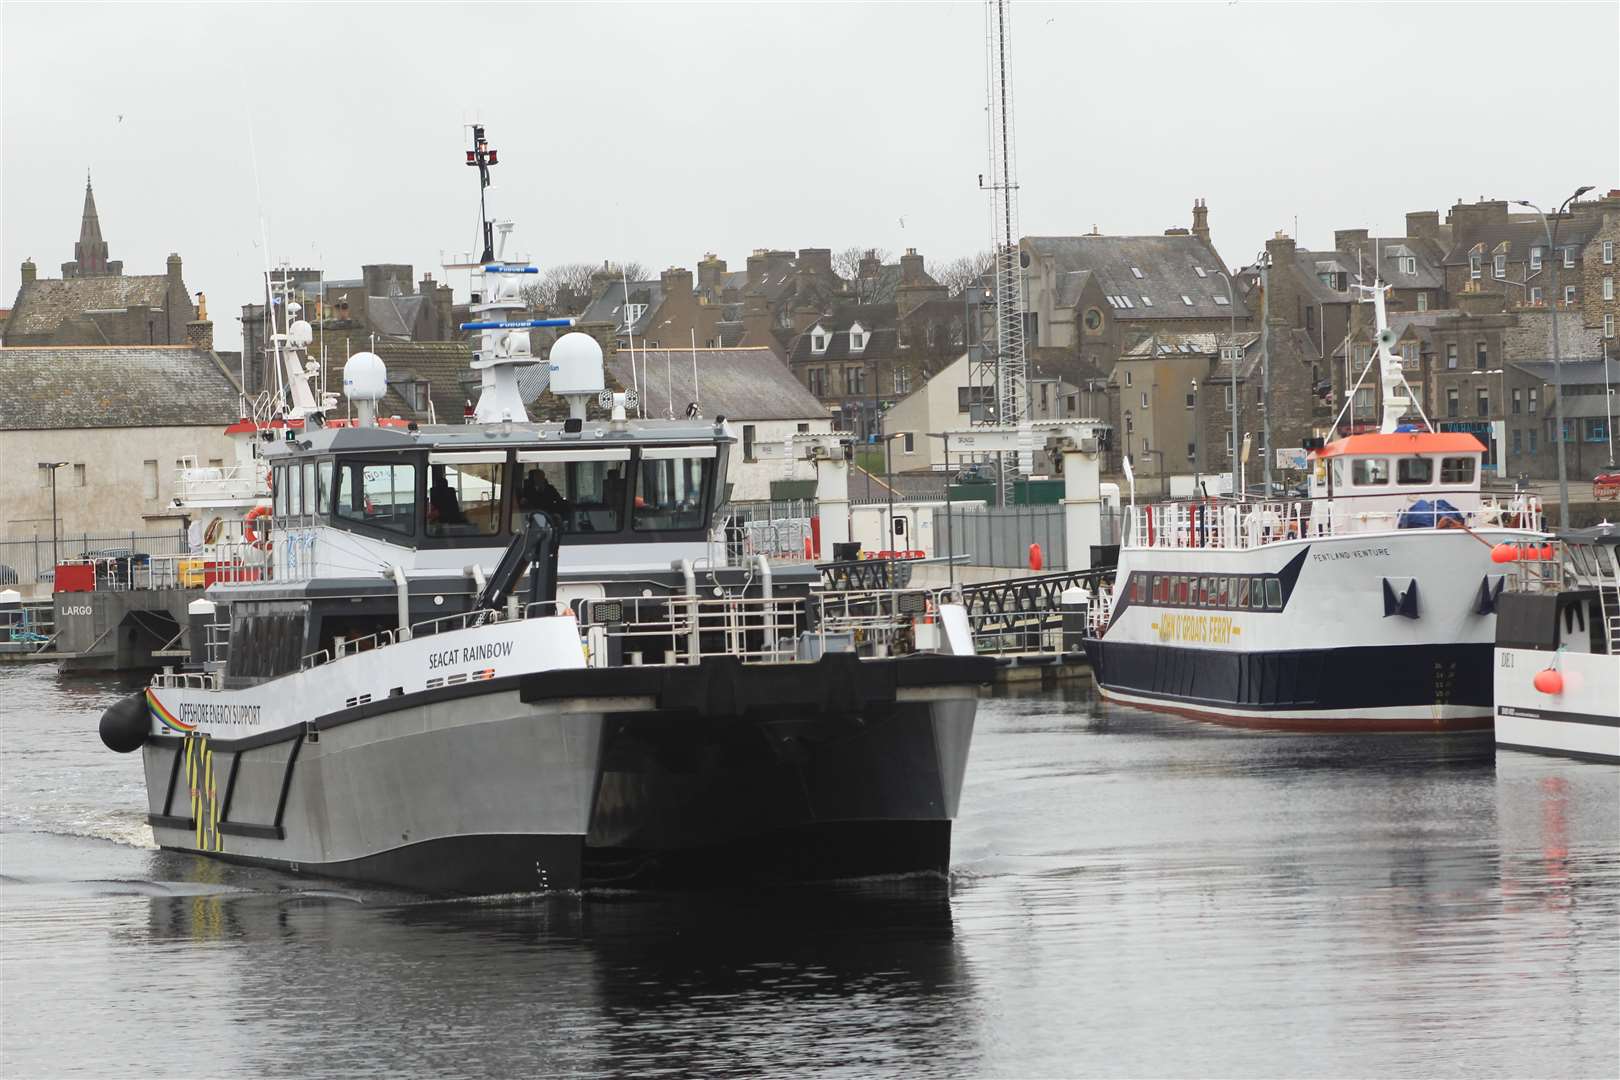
x,y
381,495
1457,470
295,489
583,489
1414,470
1368,472
323,487
465,495
672,488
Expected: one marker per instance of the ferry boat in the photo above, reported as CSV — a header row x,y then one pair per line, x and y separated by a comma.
x,y
1558,648
510,656
1368,605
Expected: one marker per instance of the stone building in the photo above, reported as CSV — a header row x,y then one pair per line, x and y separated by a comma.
x,y
1244,365
121,420
95,303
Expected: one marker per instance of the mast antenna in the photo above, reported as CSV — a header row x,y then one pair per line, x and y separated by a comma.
x,y
482,157
1011,366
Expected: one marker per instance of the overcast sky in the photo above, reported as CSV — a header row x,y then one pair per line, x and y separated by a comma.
x,y
660,132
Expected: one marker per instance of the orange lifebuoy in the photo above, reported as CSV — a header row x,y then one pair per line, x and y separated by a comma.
x,y
248,532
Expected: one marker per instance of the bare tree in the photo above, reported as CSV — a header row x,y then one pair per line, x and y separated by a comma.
x,y
965,270
565,289
847,265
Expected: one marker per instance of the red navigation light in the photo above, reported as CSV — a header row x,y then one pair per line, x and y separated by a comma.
x,y
492,159
471,159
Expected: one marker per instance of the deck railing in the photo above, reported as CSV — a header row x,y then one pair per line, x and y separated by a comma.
x,y
1224,524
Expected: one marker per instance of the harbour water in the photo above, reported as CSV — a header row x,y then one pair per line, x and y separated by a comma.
x,y
1130,895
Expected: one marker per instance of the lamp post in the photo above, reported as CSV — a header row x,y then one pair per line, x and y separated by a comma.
x,y
1232,310
1558,373
56,557
1198,445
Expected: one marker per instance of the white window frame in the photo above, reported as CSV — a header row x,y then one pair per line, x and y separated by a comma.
x,y
1185,299
1499,265
1409,265
1608,252
1136,273
1145,405
1475,265
1608,324
1569,257
1127,376
1608,288
1535,258
1220,301
1423,301
1537,296
1569,295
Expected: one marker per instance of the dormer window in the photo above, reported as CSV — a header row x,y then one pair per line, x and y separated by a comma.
x,y
1499,266
1136,273
1474,268
818,340
1409,265
857,338
633,314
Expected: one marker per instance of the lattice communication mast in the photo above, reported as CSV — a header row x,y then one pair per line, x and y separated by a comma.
x,y
1011,364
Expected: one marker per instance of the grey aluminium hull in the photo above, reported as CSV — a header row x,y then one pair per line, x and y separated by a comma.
x,y
704,775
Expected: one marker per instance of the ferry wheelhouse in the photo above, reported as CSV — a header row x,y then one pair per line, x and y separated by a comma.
x,y
1558,648
1368,605
509,656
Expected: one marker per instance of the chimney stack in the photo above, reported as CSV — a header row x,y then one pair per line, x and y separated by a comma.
x,y
200,331
28,271
174,267
1200,221
1424,224
1350,241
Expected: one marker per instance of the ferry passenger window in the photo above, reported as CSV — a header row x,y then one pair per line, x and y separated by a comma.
x,y
1203,592
1457,470
1273,594
1181,589
1243,592
294,476
671,493
323,487
382,496
278,484
1414,470
1369,471
465,498
586,496
1226,592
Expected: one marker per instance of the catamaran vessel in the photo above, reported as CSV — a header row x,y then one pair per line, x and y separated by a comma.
x,y
512,655
1370,605
1558,648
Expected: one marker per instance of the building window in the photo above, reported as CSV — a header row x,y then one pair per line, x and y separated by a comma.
x,y
1192,451
1409,265
1532,437
1227,396
1535,403
1451,401
1127,377
1608,252
1474,269
1481,355
149,472
1229,436
1423,301
1596,429
1185,299
78,475
909,442
857,339
1608,325
902,380
1569,295
1518,403
1192,399
818,342
1535,258
1569,257
1499,266
1608,288
1482,401
1451,355
748,442
1093,319
1260,393
816,378
633,314
1518,443
1537,297
1136,273
1144,401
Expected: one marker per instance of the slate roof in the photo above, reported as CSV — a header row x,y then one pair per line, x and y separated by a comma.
x,y
394,316
739,384
444,364
1520,234
881,344
1197,344
43,305
1170,269
114,386
1431,273
607,305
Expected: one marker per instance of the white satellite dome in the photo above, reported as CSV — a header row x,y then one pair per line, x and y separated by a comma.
x,y
365,377
299,334
576,365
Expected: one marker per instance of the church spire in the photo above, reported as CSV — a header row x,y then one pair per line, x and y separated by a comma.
x,y
90,253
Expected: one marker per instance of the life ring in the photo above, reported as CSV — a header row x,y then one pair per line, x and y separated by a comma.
x,y
248,532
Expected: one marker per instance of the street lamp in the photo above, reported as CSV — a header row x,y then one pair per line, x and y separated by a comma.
x,y
1558,372
1232,310
56,558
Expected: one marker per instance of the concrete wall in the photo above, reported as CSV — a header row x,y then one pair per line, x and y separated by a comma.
x,y
112,497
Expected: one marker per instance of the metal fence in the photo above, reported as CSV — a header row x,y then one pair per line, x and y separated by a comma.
x,y
1001,536
31,559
